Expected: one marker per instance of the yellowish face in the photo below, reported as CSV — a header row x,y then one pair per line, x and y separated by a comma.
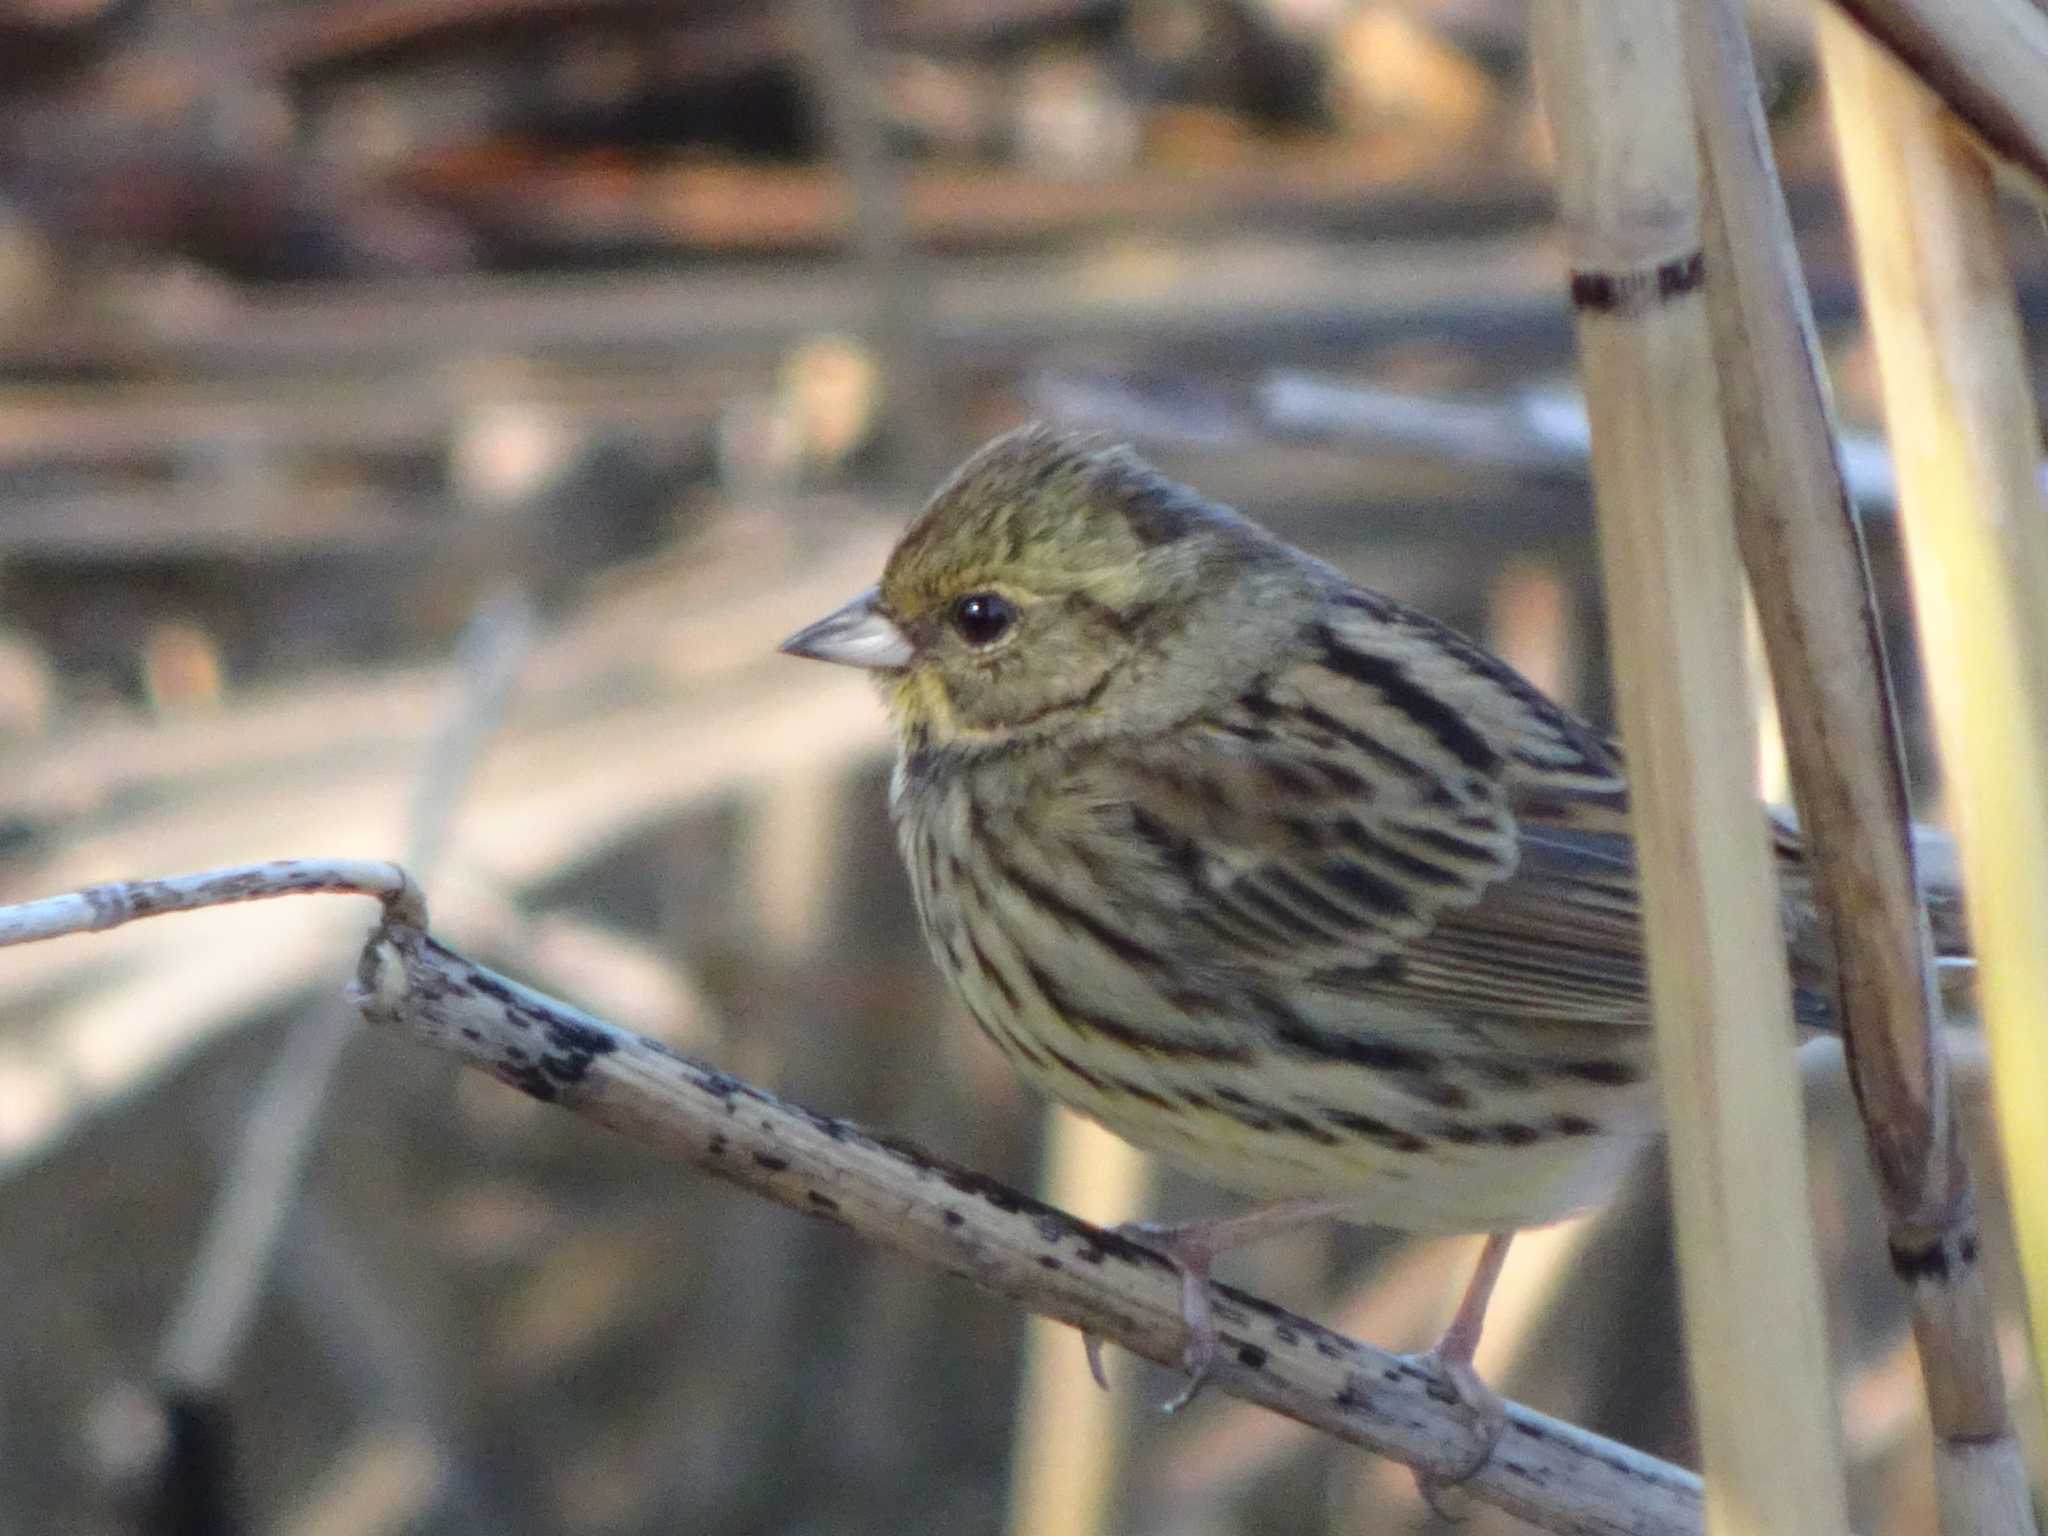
x,y
1009,606
1001,648
1055,589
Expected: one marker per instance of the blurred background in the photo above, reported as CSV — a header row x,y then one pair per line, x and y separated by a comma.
x,y
419,419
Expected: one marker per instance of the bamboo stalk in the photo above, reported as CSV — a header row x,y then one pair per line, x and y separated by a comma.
x,y
1615,90
1963,437
1808,569
1986,59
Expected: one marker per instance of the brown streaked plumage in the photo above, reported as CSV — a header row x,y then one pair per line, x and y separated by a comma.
x,y
1268,873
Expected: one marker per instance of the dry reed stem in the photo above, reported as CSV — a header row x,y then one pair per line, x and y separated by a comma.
x,y
1615,88
1808,569
1940,308
843,78
1232,292
1071,1436
1558,1477
1986,59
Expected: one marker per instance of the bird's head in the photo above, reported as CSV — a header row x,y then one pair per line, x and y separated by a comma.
x,y
1057,587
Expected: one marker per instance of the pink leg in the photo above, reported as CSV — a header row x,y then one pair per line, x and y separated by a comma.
x,y
1460,1341
1451,1360
1191,1247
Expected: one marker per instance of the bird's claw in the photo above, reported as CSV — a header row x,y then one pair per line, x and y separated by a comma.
x,y
1198,1354
1483,1408
1092,1342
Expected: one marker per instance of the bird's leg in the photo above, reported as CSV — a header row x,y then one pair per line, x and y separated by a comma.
x,y
1450,1361
1190,1247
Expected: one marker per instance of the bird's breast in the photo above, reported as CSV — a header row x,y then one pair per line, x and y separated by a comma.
x,y
1092,999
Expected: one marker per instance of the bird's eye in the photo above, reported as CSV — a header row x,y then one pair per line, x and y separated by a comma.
x,y
983,618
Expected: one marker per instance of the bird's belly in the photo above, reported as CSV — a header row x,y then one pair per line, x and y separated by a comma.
x,y
1518,1161
1422,1124
1467,1143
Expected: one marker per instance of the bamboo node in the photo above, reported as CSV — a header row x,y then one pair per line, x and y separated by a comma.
x,y
1936,1261
1635,290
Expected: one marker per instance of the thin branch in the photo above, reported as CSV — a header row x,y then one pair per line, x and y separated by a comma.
x,y
1227,291
1561,1478
1807,566
100,907
1538,430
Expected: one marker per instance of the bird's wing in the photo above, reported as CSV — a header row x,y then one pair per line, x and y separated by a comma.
x,y
1561,940
1354,808
1395,821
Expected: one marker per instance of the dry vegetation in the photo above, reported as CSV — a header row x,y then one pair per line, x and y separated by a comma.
x,y
335,338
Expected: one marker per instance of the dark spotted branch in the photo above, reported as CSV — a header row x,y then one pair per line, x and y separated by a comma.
x,y
1561,1478
1558,1477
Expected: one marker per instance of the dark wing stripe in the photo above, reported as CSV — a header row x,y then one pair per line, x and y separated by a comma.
x,y
994,975
1334,918
1372,892
1442,722
1297,1034
1176,848
1389,1136
1278,914
1388,855
1229,921
1258,702
1273,1116
1450,843
1342,780
1505,994
1371,746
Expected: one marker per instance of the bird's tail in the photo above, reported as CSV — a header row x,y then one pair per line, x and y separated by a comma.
x,y
1941,887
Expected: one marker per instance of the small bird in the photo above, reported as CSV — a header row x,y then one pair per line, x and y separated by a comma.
x,y
1271,875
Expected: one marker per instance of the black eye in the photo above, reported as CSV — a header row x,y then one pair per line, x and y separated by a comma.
x,y
982,618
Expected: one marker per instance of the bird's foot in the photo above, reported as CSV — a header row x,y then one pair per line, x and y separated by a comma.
x,y
1482,1408
1188,1251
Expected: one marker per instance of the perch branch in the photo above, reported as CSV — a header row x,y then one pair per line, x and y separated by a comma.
x,y
1561,1478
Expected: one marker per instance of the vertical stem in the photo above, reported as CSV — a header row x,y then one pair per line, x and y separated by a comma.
x,y
1985,58
1818,614
1071,1436
842,79
1940,308
1615,89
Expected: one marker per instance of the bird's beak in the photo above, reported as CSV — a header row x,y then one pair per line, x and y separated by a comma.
x,y
857,635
